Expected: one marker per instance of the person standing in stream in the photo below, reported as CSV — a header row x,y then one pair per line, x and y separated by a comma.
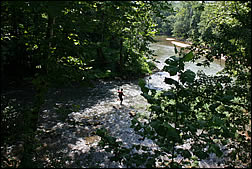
x,y
120,95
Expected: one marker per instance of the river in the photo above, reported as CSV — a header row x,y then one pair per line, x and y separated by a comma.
x,y
70,117
164,49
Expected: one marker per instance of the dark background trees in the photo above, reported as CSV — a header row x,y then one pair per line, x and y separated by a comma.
x,y
74,40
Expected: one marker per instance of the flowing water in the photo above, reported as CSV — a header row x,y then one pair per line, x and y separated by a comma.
x,y
164,49
71,116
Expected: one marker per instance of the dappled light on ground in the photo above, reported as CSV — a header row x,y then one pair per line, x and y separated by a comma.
x,y
69,125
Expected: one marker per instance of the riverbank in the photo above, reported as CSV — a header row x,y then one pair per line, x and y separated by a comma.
x,y
178,43
182,43
171,41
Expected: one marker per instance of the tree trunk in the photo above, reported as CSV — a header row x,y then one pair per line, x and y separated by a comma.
x,y
102,59
49,36
101,56
121,56
2,72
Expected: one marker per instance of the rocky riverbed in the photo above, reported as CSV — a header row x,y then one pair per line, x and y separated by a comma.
x,y
71,116
66,134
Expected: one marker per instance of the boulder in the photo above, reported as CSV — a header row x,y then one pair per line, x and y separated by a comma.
x,y
132,113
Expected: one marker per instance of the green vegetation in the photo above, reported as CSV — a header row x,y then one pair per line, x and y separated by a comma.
x,y
75,41
50,43
206,109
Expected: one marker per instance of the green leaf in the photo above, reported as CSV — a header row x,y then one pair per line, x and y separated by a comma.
x,y
202,123
183,107
227,133
173,60
185,93
156,108
200,154
213,148
170,132
175,49
157,125
150,99
186,154
187,77
227,98
188,57
214,106
217,121
171,69
192,128
171,81
169,95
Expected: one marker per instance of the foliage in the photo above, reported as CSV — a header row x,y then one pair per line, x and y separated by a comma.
x,y
216,29
187,19
225,30
182,21
18,124
205,109
66,41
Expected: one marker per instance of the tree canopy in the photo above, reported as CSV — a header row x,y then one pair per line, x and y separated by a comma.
x,y
75,40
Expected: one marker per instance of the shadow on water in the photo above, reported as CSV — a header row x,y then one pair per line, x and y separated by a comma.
x,y
70,116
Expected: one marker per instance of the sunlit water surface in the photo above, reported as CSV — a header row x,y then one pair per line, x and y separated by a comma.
x,y
165,49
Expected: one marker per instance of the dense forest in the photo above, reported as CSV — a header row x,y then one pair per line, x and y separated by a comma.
x,y
50,44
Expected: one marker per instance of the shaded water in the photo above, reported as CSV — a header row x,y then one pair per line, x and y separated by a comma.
x,y
70,117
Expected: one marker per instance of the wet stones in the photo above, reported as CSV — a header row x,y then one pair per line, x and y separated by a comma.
x,y
99,108
132,113
92,139
15,152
